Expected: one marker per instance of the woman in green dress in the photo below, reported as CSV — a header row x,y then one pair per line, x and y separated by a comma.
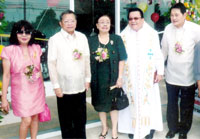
x,y
108,55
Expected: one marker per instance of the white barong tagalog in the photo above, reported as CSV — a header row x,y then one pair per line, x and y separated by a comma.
x,y
144,59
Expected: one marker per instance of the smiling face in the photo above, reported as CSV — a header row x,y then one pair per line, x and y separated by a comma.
x,y
103,24
23,36
68,23
135,20
177,18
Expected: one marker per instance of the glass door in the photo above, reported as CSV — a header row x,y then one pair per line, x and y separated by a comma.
x,y
88,10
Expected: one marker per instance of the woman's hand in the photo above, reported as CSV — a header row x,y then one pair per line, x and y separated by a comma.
x,y
5,105
58,92
119,82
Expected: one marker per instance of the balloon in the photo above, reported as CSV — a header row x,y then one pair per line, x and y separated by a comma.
x,y
1,15
143,6
1,48
52,3
197,3
155,17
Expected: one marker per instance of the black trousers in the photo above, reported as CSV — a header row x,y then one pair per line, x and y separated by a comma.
x,y
186,94
72,115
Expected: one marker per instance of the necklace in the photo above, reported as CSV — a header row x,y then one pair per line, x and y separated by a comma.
x,y
102,52
104,40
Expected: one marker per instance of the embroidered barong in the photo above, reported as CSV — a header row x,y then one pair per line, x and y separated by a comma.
x,y
144,60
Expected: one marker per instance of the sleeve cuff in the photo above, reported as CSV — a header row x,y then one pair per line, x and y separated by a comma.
x,y
87,80
160,72
55,86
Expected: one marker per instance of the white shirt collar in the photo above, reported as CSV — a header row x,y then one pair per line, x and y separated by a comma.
x,y
183,27
67,35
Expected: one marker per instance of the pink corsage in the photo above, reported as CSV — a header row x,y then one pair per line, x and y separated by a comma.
x,y
31,76
178,48
77,54
102,54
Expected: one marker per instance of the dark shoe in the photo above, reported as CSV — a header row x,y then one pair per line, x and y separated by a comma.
x,y
115,138
150,136
182,136
131,136
170,134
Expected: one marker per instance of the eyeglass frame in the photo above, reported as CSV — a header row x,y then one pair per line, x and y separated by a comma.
x,y
134,18
26,32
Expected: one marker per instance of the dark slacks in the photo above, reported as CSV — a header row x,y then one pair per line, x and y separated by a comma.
x,y
72,115
186,94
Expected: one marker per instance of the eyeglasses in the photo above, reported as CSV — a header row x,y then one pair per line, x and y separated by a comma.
x,y
106,23
134,18
27,32
69,21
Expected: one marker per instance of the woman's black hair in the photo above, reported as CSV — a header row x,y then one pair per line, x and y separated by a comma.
x,y
18,27
96,21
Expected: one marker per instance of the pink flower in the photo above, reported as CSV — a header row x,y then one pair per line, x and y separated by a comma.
x,y
178,48
76,54
104,55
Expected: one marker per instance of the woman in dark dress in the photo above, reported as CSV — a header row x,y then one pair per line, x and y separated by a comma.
x,y
108,54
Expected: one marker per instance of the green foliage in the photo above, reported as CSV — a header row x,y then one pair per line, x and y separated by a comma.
x,y
1,118
193,12
3,23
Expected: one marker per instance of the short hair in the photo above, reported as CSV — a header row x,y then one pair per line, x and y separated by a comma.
x,y
101,14
135,10
18,27
179,6
67,12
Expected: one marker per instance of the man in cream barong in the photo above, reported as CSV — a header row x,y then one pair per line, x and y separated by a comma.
x,y
144,68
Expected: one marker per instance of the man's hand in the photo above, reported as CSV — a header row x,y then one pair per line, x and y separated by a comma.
x,y
87,86
198,93
157,78
58,92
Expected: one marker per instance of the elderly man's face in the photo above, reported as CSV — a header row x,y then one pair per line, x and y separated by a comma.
x,y
68,23
135,20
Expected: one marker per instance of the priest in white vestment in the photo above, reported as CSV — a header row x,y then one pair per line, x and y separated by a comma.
x,y
144,68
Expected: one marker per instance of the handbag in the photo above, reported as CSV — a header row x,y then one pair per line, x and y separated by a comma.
x,y
121,100
45,115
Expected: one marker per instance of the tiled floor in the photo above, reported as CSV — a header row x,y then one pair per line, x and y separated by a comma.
x,y
94,129
93,132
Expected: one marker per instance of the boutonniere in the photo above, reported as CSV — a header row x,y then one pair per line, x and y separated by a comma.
x,y
76,54
34,54
111,42
102,54
178,48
